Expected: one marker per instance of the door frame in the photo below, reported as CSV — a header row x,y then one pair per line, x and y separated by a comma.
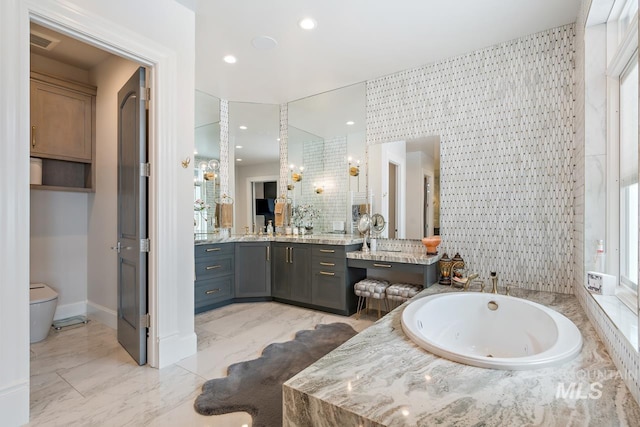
x,y
250,180
162,70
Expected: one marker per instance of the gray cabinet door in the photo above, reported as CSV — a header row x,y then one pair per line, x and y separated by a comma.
x,y
329,289
300,273
253,270
280,286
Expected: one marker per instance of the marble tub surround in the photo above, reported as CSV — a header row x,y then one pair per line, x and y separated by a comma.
x,y
321,239
380,377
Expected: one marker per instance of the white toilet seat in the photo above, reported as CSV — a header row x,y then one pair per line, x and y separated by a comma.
x,y
39,293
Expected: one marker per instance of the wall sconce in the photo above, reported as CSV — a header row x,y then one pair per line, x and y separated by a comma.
x,y
354,169
296,176
319,189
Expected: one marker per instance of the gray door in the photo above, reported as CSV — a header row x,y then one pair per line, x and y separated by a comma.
x,y
132,218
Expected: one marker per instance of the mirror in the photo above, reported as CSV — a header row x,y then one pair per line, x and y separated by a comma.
x,y
206,180
378,224
254,150
326,152
404,181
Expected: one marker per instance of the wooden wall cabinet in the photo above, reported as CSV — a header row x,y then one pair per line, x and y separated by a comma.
x,y
63,116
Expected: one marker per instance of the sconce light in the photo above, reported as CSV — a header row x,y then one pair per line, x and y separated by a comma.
x,y
319,189
354,169
296,176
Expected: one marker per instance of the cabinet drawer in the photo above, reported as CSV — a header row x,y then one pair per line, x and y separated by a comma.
x,y
383,265
329,290
212,291
328,251
214,266
212,249
327,263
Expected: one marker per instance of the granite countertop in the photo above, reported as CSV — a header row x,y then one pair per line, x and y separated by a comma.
x,y
393,256
322,239
381,378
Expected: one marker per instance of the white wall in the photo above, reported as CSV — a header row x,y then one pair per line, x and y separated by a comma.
x,y
162,32
415,195
109,76
380,156
244,175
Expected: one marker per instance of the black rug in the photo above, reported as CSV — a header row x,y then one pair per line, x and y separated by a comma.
x,y
255,386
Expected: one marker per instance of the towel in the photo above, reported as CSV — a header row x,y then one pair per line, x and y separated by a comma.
x,y
279,211
226,215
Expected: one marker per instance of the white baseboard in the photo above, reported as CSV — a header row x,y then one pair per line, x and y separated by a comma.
x,y
70,310
14,404
174,348
102,314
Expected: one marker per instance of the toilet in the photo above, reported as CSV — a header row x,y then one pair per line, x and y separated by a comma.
x,y
42,306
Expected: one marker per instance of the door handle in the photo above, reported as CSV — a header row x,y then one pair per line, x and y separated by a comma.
x,y
268,253
116,247
288,257
382,265
327,264
325,273
33,137
291,255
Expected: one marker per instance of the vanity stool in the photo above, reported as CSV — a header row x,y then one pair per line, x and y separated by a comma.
x,y
371,288
401,292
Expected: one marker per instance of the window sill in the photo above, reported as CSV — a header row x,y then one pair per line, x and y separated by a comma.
x,y
625,320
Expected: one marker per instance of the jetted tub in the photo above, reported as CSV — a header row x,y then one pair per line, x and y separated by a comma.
x,y
491,330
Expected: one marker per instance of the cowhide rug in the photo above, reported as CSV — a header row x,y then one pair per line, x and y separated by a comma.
x,y
255,386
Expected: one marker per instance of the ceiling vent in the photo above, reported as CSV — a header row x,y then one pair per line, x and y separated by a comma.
x,y
43,41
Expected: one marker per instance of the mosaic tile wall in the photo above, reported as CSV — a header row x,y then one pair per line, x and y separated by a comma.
x,y
335,176
625,357
284,148
505,118
224,147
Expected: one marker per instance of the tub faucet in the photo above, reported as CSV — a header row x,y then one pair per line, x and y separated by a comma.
x,y
494,279
470,279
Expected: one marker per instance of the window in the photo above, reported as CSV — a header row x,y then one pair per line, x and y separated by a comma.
x,y
622,187
628,178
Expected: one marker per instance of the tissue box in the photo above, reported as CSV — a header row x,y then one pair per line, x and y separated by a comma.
x,y
600,283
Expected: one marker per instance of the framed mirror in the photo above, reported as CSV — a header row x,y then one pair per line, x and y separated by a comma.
x,y
326,155
405,186
206,179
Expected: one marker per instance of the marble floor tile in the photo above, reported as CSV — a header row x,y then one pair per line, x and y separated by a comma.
x,y
82,376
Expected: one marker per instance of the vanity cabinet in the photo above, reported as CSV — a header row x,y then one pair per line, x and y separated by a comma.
x,y
253,270
214,275
63,115
332,282
291,272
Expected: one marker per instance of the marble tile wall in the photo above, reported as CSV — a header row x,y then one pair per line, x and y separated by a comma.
x,y
284,148
505,115
224,147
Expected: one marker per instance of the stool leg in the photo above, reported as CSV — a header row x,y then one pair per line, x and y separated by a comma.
x,y
359,308
386,303
378,308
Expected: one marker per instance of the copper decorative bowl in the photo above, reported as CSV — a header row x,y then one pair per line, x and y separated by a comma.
x,y
431,243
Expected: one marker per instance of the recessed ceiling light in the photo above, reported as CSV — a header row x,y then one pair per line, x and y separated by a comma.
x,y
230,59
278,139
195,151
238,146
307,23
264,42
350,123
238,160
243,127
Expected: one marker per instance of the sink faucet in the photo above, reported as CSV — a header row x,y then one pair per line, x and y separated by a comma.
x,y
494,279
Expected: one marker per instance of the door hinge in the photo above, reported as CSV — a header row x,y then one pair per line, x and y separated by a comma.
x,y
145,94
145,169
145,321
144,245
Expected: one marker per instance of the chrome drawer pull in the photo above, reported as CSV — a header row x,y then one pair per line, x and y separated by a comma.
x,y
326,273
328,264
382,265
212,291
213,267
213,250
328,251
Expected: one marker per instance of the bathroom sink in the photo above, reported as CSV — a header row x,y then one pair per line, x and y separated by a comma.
x,y
491,331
